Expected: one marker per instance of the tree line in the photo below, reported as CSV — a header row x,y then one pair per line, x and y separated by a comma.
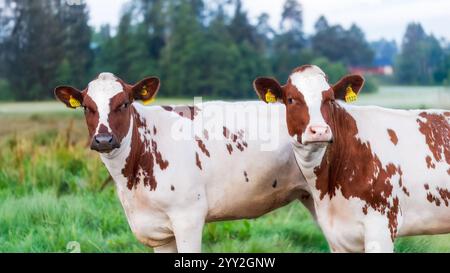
x,y
196,49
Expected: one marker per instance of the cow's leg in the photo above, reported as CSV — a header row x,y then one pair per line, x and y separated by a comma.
x,y
187,226
377,236
167,248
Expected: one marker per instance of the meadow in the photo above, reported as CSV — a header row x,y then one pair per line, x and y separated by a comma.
x,y
53,193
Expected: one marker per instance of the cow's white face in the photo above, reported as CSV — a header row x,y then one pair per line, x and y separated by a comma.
x,y
310,84
106,102
307,96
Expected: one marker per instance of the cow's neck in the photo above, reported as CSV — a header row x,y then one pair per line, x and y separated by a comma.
x,y
130,151
321,164
139,156
114,161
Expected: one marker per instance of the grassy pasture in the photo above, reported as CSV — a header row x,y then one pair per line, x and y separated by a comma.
x,y
50,190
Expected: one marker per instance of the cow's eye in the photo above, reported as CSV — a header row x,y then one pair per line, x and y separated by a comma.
x,y
290,101
124,106
88,110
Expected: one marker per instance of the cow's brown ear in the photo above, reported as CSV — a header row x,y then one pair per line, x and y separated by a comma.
x,y
268,89
356,82
70,96
146,89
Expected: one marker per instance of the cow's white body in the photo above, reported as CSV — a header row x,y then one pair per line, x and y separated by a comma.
x,y
186,196
346,226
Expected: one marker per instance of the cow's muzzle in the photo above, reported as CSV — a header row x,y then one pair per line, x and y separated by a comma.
x,y
317,134
104,143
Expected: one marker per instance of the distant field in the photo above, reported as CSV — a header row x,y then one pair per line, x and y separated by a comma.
x,y
50,189
408,97
404,97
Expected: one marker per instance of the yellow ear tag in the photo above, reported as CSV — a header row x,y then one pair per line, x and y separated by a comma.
x,y
270,97
74,103
350,95
147,102
144,93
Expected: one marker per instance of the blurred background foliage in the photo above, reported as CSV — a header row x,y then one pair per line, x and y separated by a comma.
x,y
197,49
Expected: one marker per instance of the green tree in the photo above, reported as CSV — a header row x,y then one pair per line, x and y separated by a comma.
x,y
428,61
181,70
288,49
78,56
33,47
43,44
348,46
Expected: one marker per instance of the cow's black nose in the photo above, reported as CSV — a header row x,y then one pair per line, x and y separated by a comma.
x,y
103,138
104,143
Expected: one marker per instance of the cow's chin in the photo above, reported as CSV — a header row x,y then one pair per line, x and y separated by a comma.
x,y
304,141
107,149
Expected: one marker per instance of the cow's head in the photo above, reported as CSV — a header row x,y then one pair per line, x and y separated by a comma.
x,y
306,95
106,103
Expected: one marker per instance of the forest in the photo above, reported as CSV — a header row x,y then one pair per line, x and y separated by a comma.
x,y
196,47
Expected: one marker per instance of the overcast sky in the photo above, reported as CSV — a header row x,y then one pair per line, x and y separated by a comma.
x,y
378,18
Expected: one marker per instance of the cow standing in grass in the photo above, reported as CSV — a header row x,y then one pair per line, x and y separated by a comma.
x,y
374,173
170,186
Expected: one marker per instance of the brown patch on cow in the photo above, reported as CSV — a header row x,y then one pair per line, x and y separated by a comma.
x,y
202,146
430,164
436,130
102,129
393,136
400,183
444,196
229,148
197,161
143,157
188,112
301,68
119,118
236,139
91,114
240,147
226,132
246,176
297,115
163,164
350,166
392,216
433,199
154,130
172,188
448,171
365,208
405,190
274,184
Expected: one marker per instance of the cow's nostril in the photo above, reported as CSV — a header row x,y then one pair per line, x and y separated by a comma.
x,y
96,140
110,140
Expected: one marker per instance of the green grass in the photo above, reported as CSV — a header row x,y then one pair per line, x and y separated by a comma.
x,y
50,196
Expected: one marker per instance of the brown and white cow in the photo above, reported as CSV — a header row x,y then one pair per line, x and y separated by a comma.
x,y
374,173
170,186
